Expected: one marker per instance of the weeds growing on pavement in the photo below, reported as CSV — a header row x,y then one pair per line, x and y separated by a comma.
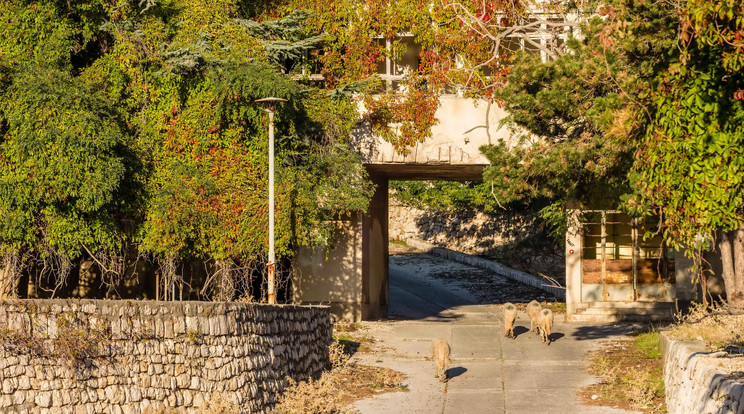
x,y
343,382
630,373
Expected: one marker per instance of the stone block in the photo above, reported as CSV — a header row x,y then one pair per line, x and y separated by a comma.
x,y
43,399
179,326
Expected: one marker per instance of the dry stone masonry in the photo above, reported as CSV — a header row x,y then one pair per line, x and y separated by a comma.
x,y
462,230
85,356
703,382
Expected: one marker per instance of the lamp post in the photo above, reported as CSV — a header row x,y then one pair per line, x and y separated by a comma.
x,y
269,105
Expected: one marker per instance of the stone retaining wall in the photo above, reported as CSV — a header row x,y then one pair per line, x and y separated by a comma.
x,y
462,230
90,356
698,381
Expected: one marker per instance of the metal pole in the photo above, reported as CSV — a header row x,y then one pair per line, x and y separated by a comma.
x,y
271,297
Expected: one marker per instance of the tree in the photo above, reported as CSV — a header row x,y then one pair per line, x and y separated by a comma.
x,y
463,46
690,161
647,108
63,172
571,115
151,103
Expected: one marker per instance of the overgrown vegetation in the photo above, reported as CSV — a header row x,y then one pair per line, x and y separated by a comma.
x,y
343,382
644,115
75,344
716,325
130,130
630,373
218,403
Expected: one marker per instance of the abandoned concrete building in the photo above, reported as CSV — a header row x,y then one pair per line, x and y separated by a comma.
x,y
612,271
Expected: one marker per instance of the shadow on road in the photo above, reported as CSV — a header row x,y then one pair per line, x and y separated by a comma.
x,y
455,372
431,288
519,330
589,332
555,336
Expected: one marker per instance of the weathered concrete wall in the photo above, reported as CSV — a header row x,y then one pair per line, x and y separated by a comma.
x,y
701,382
352,278
464,125
573,263
124,356
334,277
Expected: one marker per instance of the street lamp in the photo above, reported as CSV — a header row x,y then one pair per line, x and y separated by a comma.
x,y
270,104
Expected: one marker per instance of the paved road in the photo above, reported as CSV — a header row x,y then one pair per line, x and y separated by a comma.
x,y
489,373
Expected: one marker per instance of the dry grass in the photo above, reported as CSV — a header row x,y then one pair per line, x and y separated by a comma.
x,y
353,337
555,307
338,355
630,373
337,389
713,325
321,396
344,381
217,404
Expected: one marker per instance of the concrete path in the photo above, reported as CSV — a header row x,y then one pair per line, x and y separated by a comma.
x,y
489,373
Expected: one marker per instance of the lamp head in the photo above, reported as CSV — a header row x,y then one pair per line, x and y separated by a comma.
x,y
269,103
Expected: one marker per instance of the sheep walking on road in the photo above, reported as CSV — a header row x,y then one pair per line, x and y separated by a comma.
x,y
545,324
510,315
533,310
440,350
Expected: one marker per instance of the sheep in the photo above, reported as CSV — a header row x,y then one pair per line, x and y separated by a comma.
x,y
440,350
545,323
510,315
533,309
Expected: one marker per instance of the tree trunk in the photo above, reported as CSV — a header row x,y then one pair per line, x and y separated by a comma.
x,y
10,274
224,283
169,278
731,246
738,286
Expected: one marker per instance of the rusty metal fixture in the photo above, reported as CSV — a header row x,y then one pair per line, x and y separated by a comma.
x,y
270,105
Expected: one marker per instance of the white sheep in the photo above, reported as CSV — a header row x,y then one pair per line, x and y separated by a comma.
x,y
545,323
510,315
533,309
440,351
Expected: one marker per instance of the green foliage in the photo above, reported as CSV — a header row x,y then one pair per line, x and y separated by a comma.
x,y
63,164
35,33
573,117
360,36
690,161
136,123
443,195
688,165
718,25
566,107
649,343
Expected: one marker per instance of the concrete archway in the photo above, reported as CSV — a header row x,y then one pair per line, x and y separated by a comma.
x,y
353,278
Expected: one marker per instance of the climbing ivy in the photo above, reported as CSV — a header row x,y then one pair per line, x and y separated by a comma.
x,y
134,124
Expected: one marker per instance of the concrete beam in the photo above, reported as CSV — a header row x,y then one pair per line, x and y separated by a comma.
x,y
431,171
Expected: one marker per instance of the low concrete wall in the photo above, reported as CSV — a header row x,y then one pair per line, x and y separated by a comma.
x,y
698,381
123,356
496,267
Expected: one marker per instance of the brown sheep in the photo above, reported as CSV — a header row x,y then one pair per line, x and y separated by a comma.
x,y
533,309
545,323
440,351
510,315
